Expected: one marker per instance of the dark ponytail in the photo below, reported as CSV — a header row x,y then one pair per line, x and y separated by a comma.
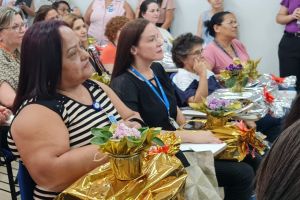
x,y
216,19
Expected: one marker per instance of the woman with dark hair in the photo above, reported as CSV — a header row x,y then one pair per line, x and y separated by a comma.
x,y
149,10
278,175
12,29
62,7
166,12
55,108
152,95
45,13
225,47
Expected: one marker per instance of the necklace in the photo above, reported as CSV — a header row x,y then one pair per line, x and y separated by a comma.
x,y
8,52
226,52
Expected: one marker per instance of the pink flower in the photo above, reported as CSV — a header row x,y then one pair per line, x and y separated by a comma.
x,y
122,131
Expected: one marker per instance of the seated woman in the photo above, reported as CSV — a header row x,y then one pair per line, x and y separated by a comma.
x,y
55,109
192,81
152,95
225,47
278,175
112,32
79,27
220,54
149,10
12,29
62,7
45,13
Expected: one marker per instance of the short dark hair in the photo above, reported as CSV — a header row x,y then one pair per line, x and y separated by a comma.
x,y
182,46
42,12
129,36
278,174
56,4
216,19
41,67
144,7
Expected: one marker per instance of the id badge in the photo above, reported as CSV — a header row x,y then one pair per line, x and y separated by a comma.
x,y
173,123
112,119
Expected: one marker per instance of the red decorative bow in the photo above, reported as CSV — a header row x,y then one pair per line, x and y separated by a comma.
x,y
157,150
269,98
277,79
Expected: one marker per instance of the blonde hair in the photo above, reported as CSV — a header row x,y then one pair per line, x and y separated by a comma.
x,y
6,16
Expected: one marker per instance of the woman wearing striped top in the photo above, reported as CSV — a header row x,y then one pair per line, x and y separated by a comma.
x,y
56,106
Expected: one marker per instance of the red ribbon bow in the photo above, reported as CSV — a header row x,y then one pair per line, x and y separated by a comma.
x,y
269,98
277,79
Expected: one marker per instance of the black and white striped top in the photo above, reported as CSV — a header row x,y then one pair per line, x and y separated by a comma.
x,y
78,118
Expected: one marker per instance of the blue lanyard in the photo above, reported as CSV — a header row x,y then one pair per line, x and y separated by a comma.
x,y
164,98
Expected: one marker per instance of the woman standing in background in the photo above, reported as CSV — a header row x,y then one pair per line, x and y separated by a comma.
x,y
289,46
100,12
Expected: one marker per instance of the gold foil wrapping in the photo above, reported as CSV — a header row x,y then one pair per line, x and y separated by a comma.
x,y
240,140
163,177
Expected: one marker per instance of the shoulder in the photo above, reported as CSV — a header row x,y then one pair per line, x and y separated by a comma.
x,y
183,79
122,83
237,42
209,50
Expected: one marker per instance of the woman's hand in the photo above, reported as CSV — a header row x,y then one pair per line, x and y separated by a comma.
x,y
296,14
132,124
200,66
4,114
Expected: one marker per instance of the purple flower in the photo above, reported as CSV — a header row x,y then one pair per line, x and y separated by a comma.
x,y
122,131
232,67
217,104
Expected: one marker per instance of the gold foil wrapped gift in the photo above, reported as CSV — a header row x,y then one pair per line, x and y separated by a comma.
x,y
163,177
239,139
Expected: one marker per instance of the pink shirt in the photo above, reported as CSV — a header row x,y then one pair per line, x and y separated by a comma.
x,y
218,59
101,15
165,5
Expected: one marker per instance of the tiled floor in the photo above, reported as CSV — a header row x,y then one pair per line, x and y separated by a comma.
x,y
4,186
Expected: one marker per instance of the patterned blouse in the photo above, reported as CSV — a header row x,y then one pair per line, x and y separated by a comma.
x,y
9,68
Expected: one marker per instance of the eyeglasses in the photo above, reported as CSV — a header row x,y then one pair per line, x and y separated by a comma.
x,y
196,53
17,28
231,23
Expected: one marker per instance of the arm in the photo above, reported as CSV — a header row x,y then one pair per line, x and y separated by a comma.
x,y
197,137
88,13
284,18
45,149
200,26
128,11
28,10
4,114
180,119
169,19
7,95
125,112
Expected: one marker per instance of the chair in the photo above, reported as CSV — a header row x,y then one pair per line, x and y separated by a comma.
x,y
7,158
26,183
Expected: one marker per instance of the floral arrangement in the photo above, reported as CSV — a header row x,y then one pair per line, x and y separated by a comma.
x,y
217,107
118,139
237,75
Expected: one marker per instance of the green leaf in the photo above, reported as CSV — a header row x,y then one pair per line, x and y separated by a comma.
x,y
99,140
229,83
158,141
245,81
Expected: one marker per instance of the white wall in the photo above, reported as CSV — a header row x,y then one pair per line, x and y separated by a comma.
x,y
258,29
